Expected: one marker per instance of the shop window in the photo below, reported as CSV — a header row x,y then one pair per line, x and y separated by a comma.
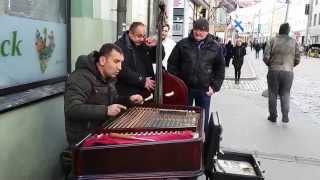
x,y
33,45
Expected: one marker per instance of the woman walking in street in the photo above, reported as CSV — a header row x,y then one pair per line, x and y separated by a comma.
x,y
239,52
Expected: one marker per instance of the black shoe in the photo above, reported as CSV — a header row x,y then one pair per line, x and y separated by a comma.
x,y
272,118
285,119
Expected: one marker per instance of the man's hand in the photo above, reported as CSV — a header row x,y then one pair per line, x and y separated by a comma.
x,y
210,91
149,84
151,42
115,109
136,99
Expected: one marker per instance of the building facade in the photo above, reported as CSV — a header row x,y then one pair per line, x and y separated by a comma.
x,y
314,22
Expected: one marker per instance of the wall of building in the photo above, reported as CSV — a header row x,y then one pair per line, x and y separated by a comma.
x,y
32,138
93,23
314,29
188,17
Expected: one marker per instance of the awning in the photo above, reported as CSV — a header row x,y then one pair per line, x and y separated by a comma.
x,y
231,5
203,3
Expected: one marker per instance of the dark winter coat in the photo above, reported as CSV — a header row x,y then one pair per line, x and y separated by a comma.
x,y
198,64
257,46
238,53
86,99
282,53
229,49
136,67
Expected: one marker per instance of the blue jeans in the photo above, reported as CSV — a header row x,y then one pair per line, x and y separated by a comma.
x,y
202,100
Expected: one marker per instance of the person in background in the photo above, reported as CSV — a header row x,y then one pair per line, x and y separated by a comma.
x,y
239,51
139,54
281,56
263,46
199,62
167,43
91,98
257,48
229,53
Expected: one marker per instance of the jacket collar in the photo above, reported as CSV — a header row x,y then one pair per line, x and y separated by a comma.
x,y
127,40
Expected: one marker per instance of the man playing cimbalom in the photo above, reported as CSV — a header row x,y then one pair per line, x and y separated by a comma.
x,y
90,97
199,62
281,56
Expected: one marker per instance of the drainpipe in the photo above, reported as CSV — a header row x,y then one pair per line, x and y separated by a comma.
x,y
121,17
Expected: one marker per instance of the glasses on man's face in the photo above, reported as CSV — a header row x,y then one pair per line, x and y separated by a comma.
x,y
140,36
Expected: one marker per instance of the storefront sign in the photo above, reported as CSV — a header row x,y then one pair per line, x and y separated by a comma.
x,y
31,51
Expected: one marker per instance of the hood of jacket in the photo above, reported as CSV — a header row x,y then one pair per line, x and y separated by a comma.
x,y
126,40
87,62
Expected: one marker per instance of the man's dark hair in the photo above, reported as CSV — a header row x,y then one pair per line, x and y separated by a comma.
x,y
284,28
134,26
105,50
166,25
201,24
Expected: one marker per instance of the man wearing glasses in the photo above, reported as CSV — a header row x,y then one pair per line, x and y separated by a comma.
x,y
139,54
199,62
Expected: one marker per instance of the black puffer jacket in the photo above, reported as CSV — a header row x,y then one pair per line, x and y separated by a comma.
x,y
238,54
136,67
198,64
86,98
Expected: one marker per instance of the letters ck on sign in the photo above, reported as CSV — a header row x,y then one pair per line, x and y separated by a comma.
x,y
10,47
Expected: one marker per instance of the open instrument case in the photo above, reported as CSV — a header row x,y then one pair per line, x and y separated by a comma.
x,y
224,165
144,160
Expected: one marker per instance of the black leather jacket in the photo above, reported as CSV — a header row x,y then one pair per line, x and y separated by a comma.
x,y
198,64
136,67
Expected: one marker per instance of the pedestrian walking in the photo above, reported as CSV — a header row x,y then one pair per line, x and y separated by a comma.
x,y
229,52
239,52
257,48
263,47
281,56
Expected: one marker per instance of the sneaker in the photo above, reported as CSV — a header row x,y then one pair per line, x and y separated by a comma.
x,y
272,118
285,119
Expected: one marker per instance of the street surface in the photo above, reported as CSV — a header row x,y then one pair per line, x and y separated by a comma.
x,y
286,151
306,86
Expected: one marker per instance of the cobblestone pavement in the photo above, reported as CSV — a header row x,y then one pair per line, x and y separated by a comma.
x,y
306,85
246,85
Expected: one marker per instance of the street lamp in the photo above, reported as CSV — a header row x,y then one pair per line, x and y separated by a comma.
x,y
287,11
